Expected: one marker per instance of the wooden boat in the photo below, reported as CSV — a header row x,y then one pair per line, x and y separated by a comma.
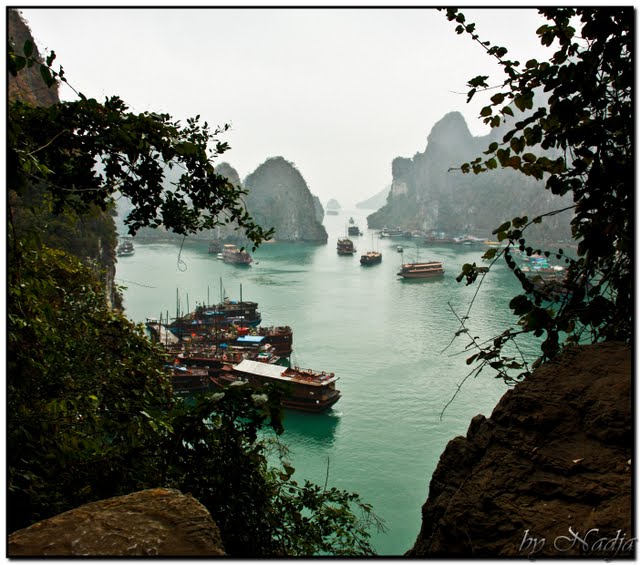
x,y
306,390
208,319
345,246
430,269
188,380
214,358
392,232
437,238
231,254
125,249
353,230
371,258
280,338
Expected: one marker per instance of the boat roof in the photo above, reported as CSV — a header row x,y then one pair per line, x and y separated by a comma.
x,y
424,264
272,371
250,339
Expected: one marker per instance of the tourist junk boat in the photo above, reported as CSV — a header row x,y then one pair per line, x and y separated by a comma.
x,y
430,269
392,232
345,246
371,258
125,248
186,380
231,254
305,389
279,343
353,230
208,319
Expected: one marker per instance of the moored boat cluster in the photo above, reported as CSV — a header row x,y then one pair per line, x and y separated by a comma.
x,y
216,345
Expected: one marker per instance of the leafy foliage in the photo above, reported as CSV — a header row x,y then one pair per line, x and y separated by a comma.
x,y
588,81
91,415
82,383
90,411
85,152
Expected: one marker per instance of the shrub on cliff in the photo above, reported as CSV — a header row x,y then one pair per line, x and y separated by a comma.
x,y
90,413
588,119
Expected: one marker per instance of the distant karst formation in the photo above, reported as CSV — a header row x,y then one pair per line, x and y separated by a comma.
x,y
376,202
333,204
429,193
280,198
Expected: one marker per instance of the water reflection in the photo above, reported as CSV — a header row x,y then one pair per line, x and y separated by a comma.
x,y
432,280
287,253
310,429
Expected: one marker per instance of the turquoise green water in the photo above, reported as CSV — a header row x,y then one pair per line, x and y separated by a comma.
x,y
383,336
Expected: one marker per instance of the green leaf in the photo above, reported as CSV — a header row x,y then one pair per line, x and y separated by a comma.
x,y
46,76
502,228
28,48
490,253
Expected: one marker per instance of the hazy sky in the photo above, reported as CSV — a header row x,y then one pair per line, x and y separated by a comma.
x,y
338,92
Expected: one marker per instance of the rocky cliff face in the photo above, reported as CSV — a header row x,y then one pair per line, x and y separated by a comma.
x,y
279,198
548,474
151,523
28,85
317,205
92,238
425,194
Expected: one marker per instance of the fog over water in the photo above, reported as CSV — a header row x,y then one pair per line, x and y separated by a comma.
x,y
339,92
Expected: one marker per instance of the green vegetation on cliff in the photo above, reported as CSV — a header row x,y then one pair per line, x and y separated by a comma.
x,y
90,411
586,120
426,194
279,197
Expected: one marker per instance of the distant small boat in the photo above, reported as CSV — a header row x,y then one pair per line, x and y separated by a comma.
x,y
354,230
399,249
125,248
345,246
371,258
231,254
429,269
392,232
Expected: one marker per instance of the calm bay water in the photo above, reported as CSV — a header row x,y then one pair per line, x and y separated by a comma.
x,y
383,336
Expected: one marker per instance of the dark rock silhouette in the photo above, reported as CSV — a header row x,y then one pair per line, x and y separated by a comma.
x,y
555,454
156,522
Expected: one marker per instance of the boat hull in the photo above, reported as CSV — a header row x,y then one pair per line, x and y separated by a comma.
x,y
304,390
429,270
371,259
421,275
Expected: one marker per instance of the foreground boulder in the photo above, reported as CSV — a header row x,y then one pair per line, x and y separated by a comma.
x,y
156,522
548,474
